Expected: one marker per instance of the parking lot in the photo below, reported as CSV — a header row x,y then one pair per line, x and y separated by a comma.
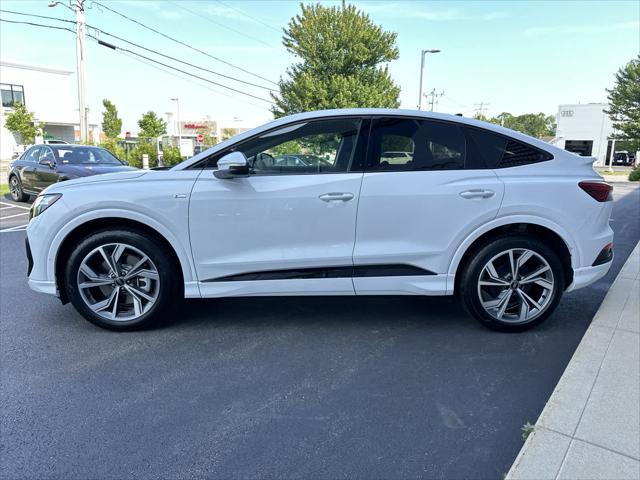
x,y
384,387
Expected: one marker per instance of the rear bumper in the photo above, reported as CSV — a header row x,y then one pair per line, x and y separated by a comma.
x,y
587,275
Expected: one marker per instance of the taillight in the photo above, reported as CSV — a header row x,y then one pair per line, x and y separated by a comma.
x,y
600,191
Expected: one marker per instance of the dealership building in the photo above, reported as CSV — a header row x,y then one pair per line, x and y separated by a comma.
x,y
48,92
585,129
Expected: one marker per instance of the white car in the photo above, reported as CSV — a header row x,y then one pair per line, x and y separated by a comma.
x,y
505,221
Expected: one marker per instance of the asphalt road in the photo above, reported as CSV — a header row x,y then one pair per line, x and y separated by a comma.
x,y
387,387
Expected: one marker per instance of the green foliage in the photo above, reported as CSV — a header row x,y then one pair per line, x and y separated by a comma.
x,y
135,155
341,53
111,124
634,176
21,122
534,124
624,103
151,126
111,144
171,156
527,429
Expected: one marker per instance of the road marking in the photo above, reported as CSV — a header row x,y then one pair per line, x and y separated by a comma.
x,y
17,228
15,206
15,215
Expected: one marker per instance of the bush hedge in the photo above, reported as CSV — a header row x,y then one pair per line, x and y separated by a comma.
x,y
634,176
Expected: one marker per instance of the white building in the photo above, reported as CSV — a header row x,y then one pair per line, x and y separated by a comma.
x,y
49,92
586,130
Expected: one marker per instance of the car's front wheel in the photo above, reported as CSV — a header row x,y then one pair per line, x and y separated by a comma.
x,y
512,283
15,187
121,280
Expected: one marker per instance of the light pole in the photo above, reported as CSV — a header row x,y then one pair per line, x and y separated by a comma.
x,y
422,54
177,100
78,8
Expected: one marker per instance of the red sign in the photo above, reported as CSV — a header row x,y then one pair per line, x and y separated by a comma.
x,y
200,138
193,126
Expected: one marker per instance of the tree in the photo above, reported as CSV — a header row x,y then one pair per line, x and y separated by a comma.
x,y
151,126
535,124
624,103
343,57
111,124
22,123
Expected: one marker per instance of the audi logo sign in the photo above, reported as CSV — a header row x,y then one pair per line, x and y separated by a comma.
x,y
566,113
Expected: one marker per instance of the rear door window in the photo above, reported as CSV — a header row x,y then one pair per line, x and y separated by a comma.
x,y
406,144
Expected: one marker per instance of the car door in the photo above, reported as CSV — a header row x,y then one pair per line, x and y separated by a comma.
x,y
45,170
29,163
283,229
416,209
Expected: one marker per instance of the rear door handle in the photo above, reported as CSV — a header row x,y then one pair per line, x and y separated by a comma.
x,y
336,196
477,193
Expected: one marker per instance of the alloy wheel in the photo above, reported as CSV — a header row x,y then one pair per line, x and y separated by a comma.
x,y
118,282
14,188
516,285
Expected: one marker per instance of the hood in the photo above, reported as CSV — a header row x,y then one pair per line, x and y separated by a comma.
x,y
119,176
75,171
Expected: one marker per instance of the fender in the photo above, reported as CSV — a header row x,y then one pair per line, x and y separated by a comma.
x,y
186,262
508,220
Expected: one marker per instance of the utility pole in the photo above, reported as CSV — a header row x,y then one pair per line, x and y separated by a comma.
x,y
81,28
422,54
434,98
481,107
177,100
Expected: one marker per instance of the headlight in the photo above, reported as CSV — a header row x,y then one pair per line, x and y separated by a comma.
x,y
43,202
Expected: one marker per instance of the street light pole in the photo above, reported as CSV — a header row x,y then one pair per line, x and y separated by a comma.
x,y
78,8
422,55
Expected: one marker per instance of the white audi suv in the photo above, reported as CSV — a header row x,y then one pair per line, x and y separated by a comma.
x,y
506,222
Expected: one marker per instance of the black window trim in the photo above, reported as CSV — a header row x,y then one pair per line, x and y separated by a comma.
x,y
371,118
13,100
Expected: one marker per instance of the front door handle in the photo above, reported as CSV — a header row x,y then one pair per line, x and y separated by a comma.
x,y
477,193
336,196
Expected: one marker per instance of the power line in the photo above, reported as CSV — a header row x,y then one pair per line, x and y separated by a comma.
x,y
38,16
114,47
177,59
181,77
220,24
250,16
144,48
183,43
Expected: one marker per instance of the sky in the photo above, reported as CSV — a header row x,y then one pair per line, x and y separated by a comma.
x,y
514,56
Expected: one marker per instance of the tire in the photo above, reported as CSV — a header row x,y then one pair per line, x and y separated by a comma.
x,y
121,302
15,187
497,300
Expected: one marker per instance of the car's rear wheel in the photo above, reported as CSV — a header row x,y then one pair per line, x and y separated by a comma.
x,y
512,283
15,187
121,280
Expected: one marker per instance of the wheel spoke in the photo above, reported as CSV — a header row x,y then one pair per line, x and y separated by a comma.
x,y
504,303
522,259
494,282
491,269
104,304
107,260
147,274
512,264
544,283
132,271
138,293
524,308
96,282
495,303
114,310
529,299
116,254
532,276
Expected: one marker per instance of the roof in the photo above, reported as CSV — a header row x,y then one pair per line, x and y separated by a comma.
x,y
39,68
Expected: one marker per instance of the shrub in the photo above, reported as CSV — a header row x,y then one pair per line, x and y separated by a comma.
x,y
111,144
634,176
171,156
135,155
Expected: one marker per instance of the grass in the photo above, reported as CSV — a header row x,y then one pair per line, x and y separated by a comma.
x,y
604,171
526,429
4,189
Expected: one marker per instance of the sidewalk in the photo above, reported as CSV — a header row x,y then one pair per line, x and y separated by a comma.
x,y
590,427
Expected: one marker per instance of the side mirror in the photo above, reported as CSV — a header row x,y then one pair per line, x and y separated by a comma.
x,y
49,163
232,165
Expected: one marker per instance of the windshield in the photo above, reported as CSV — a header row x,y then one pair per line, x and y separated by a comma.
x,y
86,156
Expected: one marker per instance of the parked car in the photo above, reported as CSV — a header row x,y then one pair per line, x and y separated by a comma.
x,y
300,160
503,220
42,165
622,158
55,141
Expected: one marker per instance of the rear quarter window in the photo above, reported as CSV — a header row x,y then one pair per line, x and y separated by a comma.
x,y
490,150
